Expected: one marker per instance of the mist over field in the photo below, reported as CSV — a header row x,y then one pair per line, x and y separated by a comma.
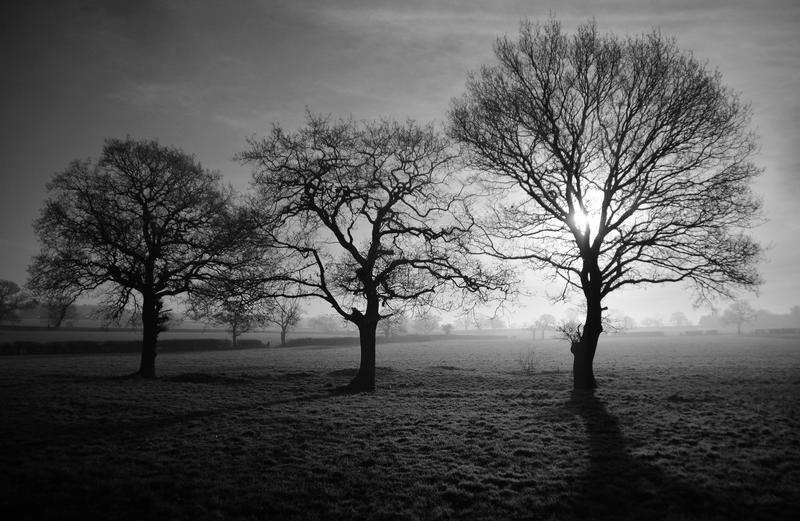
x,y
681,428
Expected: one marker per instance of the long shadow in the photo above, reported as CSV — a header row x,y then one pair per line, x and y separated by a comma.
x,y
619,486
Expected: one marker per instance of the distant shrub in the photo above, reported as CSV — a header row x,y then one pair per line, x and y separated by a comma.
x,y
527,361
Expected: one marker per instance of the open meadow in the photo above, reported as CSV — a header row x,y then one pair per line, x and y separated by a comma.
x,y
682,428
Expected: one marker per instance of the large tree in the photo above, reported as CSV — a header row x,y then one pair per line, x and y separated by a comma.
x,y
369,213
139,225
621,161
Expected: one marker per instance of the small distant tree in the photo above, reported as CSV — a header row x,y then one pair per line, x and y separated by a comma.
x,y
142,224
324,323
232,301
447,328
628,322
653,321
546,322
678,319
426,323
12,299
393,324
59,308
739,313
55,290
286,314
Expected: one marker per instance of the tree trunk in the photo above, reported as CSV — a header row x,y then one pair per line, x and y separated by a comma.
x,y
584,350
582,370
61,312
283,336
365,378
151,307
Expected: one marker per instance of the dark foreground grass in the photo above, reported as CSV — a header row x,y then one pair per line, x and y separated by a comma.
x,y
678,431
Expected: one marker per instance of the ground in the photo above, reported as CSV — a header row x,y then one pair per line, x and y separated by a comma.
x,y
680,429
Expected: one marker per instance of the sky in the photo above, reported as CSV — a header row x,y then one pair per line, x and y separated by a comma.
x,y
207,75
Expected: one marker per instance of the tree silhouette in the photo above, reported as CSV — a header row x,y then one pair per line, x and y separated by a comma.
x,y
739,313
394,324
56,289
426,323
12,298
367,215
546,321
286,314
679,319
618,162
142,223
232,298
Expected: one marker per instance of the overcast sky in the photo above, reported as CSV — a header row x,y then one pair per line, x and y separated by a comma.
x,y
205,75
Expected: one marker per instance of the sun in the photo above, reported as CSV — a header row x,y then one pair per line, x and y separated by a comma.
x,y
582,220
586,211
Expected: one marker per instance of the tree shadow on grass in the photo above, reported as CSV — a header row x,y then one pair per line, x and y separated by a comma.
x,y
619,486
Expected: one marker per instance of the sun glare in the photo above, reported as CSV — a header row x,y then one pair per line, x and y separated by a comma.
x,y
582,220
592,201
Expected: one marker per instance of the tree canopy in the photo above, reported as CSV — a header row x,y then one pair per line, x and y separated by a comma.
x,y
142,223
12,298
370,214
618,162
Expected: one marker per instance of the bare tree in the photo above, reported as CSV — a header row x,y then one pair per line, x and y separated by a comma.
x,y
628,322
59,307
140,225
232,299
678,319
545,322
391,325
653,321
739,313
371,216
326,323
426,323
56,289
12,299
620,162
286,314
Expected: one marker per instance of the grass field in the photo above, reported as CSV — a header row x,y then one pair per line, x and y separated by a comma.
x,y
681,429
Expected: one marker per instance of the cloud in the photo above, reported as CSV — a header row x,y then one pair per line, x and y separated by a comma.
x,y
157,96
